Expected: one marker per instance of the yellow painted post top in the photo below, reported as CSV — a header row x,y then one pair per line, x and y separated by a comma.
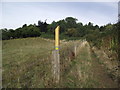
x,y
57,38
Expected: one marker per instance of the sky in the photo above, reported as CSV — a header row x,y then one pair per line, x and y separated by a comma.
x,y
16,14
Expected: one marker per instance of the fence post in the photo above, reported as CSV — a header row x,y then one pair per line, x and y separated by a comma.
x,y
75,50
56,58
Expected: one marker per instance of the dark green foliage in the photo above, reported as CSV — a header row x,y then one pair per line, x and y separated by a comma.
x,y
72,32
105,35
71,22
51,27
63,26
69,30
25,31
5,35
42,26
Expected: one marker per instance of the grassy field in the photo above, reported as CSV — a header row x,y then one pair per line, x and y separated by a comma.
x,y
27,64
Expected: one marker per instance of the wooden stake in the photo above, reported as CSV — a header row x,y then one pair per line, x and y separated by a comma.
x,y
56,58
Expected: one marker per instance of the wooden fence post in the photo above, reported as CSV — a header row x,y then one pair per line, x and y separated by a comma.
x,y
56,66
56,58
75,50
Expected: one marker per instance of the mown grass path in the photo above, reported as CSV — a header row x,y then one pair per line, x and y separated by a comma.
x,y
98,71
85,71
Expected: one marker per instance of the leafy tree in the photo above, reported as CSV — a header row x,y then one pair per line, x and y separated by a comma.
x,y
5,35
11,33
69,29
51,27
25,25
62,25
72,32
42,26
71,22
18,33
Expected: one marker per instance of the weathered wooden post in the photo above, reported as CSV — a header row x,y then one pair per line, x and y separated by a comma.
x,y
56,57
75,50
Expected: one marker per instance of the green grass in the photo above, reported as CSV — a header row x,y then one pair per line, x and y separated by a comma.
x,y
27,64
77,72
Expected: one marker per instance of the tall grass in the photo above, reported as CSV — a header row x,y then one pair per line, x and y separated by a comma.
x,y
75,70
26,62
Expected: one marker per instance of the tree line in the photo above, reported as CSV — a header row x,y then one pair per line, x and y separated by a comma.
x,y
70,29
